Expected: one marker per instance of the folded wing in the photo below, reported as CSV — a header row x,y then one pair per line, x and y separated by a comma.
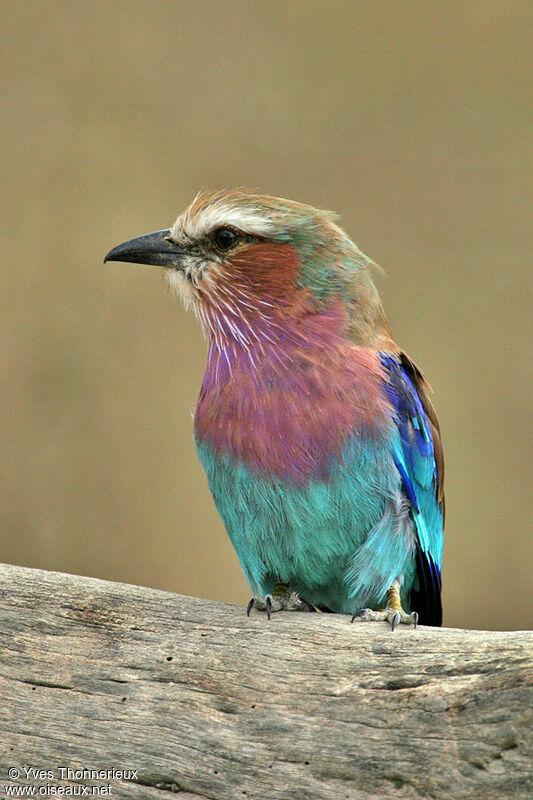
x,y
417,454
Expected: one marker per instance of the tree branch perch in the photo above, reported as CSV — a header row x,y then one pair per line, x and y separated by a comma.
x,y
205,703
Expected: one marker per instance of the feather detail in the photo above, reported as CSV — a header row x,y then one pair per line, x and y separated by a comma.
x,y
424,391
416,452
288,408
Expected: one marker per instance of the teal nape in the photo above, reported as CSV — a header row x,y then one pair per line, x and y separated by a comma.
x,y
316,431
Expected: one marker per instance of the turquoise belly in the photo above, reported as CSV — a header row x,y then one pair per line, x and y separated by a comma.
x,y
308,536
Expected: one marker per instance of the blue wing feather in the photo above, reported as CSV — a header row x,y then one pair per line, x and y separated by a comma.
x,y
414,454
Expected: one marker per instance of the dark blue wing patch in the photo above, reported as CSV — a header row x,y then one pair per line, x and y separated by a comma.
x,y
414,456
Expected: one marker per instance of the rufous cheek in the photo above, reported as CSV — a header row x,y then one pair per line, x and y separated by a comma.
x,y
269,269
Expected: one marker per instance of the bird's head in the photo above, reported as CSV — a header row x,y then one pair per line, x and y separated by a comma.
x,y
237,256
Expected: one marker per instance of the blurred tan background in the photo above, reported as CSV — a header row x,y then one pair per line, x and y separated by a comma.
x,y
412,120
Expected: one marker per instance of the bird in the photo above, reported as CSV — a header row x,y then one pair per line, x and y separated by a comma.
x,y
316,431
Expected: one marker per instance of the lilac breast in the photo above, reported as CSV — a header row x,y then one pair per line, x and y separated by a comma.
x,y
285,403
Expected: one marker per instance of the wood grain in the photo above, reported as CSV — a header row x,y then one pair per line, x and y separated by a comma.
x,y
205,703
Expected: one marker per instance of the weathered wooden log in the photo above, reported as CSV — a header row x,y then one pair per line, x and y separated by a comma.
x,y
139,692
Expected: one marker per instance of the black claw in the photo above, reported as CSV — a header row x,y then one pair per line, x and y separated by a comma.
x,y
250,606
268,605
310,606
395,620
415,618
359,613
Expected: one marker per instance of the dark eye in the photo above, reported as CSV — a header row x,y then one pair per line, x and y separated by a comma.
x,y
226,238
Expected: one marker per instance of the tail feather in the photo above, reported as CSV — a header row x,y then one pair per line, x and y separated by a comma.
x,y
426,600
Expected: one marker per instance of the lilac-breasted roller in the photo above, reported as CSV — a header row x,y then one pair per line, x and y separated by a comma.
x,y
316,431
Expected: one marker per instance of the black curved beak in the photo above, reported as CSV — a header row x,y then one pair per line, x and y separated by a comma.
x,y
153,248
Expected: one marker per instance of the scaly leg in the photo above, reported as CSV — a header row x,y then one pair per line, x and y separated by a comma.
x,y
393,612
281,599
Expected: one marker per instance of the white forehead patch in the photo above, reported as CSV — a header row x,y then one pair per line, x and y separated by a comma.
x,y
249,220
